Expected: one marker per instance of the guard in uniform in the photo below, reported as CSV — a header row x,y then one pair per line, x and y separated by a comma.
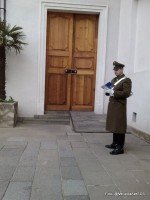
x,y
116,121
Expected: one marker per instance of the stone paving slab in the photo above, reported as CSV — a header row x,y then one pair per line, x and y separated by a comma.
x,y
18,191
79,145
62,137
128,183
1,145
6,172
64,145
10,161
87,160
68,161
107,192
47,179
44,194
137,197
23,174
47,162
96,138
65,149
15,143
73,133
91,165
46,185
9,158
77,197
132,139
121,162
96,178
11,152
84,153
142,176
17,139
71,172
73,187
29,156
3,187
48,158
48,144
78,138
66,153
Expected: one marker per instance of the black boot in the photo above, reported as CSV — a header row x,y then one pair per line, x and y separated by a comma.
x,y
110,146
114,142
117,151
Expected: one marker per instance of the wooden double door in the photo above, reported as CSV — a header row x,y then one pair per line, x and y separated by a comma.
x,y
71,61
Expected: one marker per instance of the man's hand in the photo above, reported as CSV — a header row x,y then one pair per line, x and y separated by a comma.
x,y
109,92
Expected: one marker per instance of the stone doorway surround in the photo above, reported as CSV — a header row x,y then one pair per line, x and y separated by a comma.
x,y
102,10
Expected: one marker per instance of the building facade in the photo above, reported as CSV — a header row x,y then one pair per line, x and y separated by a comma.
x,y
115,30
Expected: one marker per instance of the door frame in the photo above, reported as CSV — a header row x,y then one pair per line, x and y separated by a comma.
x,y
102,10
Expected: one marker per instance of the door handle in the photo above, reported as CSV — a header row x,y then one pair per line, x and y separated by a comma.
x,y
74,71
68,71
71,71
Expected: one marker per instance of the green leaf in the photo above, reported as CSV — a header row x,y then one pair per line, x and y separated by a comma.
x,y
11,38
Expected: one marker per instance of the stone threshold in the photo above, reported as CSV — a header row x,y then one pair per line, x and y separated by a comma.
x,y
35,120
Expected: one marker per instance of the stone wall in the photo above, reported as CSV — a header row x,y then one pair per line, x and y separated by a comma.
x,y
8,114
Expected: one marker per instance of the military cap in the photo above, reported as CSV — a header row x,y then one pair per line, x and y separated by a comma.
x,y
117,65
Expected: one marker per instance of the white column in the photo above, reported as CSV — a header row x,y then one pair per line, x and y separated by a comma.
x,y
127,33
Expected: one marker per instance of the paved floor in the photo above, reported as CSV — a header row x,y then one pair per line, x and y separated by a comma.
x,y
51,162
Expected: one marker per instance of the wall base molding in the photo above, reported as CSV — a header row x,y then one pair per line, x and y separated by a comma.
x,y
142,135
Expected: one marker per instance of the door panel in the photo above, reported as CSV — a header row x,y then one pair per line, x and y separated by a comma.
x,y
71,44
59,56
84,31
82,85
84,60
58,89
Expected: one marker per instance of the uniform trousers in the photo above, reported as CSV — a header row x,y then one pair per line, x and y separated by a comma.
x,y
119,139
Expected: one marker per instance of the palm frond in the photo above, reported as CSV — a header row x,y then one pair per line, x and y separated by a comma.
x,y
11,38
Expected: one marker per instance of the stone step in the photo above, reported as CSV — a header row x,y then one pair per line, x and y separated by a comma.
x,y
52,116
44,121
47,122
58,113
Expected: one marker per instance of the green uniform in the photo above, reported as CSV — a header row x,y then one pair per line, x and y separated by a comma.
x,y
116,121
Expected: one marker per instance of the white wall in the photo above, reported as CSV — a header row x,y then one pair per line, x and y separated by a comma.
x,y
142,49
133,50
22,70
112,42
139,102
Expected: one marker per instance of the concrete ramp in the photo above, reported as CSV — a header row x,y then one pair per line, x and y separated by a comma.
x,y
88,122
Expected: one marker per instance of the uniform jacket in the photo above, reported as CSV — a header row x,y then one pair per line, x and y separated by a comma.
x,y
116,121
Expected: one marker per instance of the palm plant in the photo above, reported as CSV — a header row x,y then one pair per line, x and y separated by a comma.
x,y
10,38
